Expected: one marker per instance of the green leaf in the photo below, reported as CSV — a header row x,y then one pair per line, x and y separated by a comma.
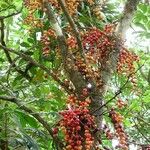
x,y
143,7
30,40
135,106
142,25
37,92
2,60
24,44
4,5
127,122
138,17
26,119
148,25
16,82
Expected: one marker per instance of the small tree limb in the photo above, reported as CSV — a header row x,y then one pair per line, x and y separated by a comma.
x,y
35,63
118,92
10,15
73,26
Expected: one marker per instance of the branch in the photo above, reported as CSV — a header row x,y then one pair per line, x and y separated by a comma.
x,y
35,115
125,21
68,61
35,63
117,93
2,40
7,53
73,26
4,9
10,15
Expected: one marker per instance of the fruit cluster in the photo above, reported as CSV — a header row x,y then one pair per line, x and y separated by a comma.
x,y
126,62
72,43
98,13
88,70
107,131
72,5
99,43
126,66
32,5
117,121
81,66
77,124
98,8
121,104
31,20
46,41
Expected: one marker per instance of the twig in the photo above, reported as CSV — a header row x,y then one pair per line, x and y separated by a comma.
x,y
144,76
10,15
139,118
4,9
117,93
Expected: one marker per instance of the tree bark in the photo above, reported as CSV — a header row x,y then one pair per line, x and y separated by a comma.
x,y
128,13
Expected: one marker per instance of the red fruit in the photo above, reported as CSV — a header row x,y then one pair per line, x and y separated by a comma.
x,y
79,142
78,128
55,130
85,92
